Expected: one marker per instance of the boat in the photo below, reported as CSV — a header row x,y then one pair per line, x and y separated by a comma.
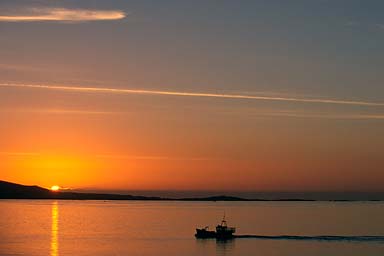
x,y
222,231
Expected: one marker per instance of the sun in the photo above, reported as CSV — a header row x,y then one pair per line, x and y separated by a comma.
x,y
55,188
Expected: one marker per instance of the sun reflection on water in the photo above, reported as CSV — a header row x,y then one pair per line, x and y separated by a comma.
x,y
55,230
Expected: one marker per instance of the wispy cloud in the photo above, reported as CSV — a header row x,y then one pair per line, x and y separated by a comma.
x,y
249,112
364,25
61,14
114,156
151,157
61,111
12,67
195,94
19,154
379,25
294,114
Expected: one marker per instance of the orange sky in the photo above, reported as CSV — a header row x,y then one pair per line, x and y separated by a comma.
x,y
181,143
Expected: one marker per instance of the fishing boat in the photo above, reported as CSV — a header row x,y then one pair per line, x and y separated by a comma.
x,y
222,231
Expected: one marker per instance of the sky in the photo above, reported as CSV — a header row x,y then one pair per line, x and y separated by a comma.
x,y
193,95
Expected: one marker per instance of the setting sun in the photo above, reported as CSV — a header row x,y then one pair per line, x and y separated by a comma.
x,y
55,188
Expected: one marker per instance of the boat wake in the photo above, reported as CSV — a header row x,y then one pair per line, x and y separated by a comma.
x,y
318,238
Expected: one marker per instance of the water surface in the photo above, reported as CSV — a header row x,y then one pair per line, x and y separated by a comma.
x,y
44,227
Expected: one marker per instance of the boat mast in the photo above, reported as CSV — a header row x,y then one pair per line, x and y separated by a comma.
x,y
224,222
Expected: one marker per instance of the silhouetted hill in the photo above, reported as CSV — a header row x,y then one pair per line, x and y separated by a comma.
x,y
13,190
215,198
10,190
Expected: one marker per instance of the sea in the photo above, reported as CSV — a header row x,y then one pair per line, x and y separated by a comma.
x,y
50,227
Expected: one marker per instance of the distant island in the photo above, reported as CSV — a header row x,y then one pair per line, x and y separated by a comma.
x,y
9,190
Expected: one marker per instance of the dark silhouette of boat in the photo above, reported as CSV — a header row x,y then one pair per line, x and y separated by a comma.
x,y
222,231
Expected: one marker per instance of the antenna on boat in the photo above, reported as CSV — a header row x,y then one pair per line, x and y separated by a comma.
x,y
224,222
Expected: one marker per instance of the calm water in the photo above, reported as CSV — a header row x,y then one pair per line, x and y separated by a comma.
x,y
166,228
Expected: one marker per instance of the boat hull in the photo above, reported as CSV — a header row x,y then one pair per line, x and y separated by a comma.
x,y
203,233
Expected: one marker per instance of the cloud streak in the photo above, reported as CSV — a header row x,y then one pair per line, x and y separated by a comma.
x,y
322,116
60,111
19,154
121,157
194,94
288,114
149,157
62,14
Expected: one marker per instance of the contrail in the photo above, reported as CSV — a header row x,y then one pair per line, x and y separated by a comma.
x,y
195,94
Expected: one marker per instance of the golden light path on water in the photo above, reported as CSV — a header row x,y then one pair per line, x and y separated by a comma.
x,y
55,230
